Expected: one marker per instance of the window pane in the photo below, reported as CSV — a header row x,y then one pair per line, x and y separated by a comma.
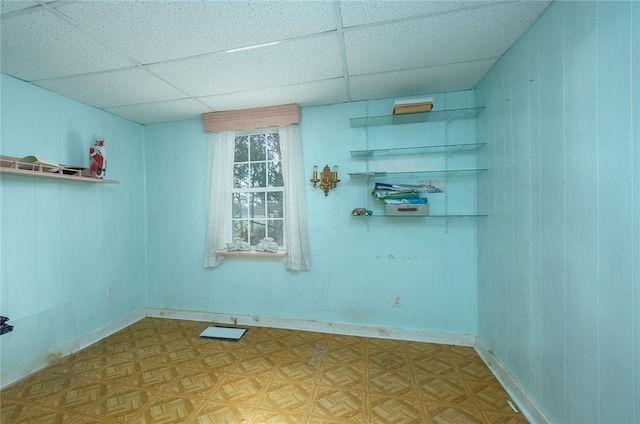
x,y
258,147
240,205
241,176
275,204
258,231
256,204
240,229
274,229
273,146
259,174
241,149
275,174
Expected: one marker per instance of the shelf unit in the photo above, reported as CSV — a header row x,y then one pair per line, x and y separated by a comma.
x,y
443,149
444,173
13,166
413,118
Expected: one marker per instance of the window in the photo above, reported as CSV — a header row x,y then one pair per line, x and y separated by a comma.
x,y
258,188
255,184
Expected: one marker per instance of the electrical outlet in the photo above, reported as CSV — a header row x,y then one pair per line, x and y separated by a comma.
x,y
397,301
109,291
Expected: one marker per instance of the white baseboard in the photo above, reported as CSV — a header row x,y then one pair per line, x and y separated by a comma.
x,y
527,406
33,366
441,337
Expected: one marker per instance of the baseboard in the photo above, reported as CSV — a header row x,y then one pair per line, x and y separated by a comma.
x,y
33,366
527,406
459,339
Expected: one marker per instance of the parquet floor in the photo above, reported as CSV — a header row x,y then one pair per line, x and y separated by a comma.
x,y
161,371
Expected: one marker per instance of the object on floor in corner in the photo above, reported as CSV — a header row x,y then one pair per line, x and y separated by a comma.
x,y
223,333
4,327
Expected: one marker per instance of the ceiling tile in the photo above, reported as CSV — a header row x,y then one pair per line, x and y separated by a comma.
x,y
137,59
461,76
7,7
306,94
55,48
176,110
462,36
367,12
157,31
293,62
114,88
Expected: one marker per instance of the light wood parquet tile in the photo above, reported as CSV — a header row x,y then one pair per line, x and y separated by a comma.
x,y
345,405
444,391
161,371
214,412
390,382
293,397
269,416
395,410
169,409
195,382
345,376
292,369
351,355
123,404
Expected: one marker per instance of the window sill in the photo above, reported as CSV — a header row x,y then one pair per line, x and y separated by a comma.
x,y
252,253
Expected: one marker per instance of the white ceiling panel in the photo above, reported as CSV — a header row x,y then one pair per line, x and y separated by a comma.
x,y
292,62
307,94
158,31
427,41
12,6
426,80
114,88
355,13
151,113
42,45
156,61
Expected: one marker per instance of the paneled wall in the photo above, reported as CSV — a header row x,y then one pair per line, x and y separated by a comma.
x,y
559,256
358,265
63,243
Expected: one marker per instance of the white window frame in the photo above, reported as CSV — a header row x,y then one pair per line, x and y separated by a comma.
x,y
235,190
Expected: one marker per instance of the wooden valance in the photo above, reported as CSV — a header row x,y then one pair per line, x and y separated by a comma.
x,y
250,119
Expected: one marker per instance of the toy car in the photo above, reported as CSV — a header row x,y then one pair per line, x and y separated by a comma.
x,y
361,211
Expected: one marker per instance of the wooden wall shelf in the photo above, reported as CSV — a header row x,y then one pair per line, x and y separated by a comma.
x,y
13,166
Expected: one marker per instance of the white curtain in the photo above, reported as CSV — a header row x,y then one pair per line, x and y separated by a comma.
x,y
218,184
295,200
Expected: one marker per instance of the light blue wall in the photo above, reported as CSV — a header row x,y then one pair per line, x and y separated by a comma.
x,y
356,267
62,243
559,256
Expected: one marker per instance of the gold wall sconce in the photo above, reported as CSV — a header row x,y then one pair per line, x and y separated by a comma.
x,y
328,179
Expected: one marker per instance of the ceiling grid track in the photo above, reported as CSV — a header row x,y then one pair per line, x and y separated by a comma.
x,y
343,50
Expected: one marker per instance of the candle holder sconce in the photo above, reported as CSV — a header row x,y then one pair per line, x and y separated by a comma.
x,y
328,179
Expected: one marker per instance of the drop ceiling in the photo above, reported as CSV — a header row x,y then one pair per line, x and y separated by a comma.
x,y
158,61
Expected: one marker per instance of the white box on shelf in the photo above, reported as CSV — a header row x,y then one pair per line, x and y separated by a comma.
x,y
406,209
